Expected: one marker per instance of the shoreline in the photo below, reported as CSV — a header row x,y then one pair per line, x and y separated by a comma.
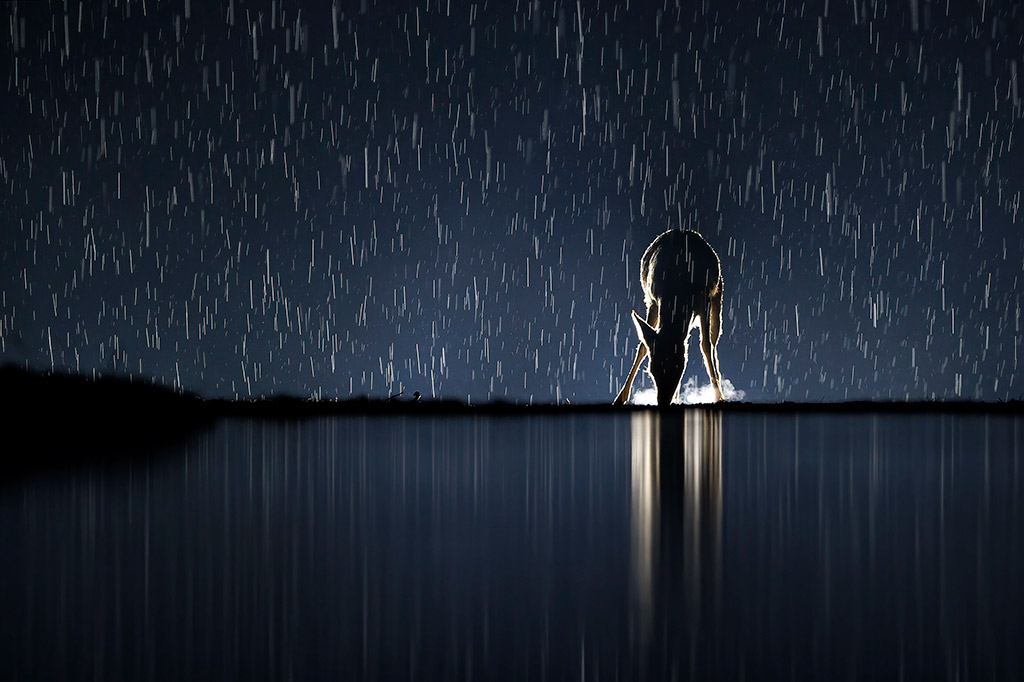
x,y
56,390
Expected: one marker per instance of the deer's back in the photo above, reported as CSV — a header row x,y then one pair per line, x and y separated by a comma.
x,y
680,265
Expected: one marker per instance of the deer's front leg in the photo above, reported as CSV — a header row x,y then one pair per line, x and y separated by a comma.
x,y
715,329
623,397
710,361
653,314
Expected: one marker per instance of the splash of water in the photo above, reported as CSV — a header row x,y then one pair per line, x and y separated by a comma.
x,y
693,394
645,396
690,393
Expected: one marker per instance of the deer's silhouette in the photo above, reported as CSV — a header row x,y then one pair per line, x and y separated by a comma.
x,y
682,281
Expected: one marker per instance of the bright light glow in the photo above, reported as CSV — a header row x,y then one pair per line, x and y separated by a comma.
x,y
645,396
690,394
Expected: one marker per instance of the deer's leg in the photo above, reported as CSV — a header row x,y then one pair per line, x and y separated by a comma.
x,y
715,318
710,332
641,353
708,351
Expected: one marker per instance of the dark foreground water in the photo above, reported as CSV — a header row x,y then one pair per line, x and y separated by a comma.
x,y
699,546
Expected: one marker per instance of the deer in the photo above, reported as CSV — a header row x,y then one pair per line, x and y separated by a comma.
x,y
682,281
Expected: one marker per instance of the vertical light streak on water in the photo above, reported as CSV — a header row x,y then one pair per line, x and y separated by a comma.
x,y
676,527
643,517
702,509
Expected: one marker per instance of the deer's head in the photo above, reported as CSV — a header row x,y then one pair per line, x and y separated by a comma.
x,y
667,361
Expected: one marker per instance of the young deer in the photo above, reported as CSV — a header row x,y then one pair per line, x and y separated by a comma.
x,y
682,281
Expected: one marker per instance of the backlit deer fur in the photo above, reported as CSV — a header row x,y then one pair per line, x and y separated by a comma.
x,y
682,281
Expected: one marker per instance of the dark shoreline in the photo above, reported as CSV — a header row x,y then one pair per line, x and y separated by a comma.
x,y
110,396
62,423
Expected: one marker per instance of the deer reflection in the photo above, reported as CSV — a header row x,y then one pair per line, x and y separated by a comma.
x,y
676,514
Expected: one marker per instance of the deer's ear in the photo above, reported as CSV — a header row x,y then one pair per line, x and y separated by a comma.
x,y
646,332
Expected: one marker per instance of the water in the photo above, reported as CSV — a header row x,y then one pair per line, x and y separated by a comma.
x,y
696,545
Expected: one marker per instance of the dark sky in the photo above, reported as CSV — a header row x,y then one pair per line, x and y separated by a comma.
x,y
243,198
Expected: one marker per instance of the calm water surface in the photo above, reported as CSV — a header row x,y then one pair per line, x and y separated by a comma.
x,y
686,546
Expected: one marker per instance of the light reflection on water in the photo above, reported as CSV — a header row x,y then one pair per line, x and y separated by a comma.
x,y
676,513
643,545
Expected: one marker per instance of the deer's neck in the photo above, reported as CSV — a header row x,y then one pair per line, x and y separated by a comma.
x,y
675,322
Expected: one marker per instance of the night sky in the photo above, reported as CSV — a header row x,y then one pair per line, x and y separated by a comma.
x,y
245,198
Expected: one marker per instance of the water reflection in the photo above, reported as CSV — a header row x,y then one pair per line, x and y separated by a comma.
x,y
380,548
675,519
853,546
636,546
